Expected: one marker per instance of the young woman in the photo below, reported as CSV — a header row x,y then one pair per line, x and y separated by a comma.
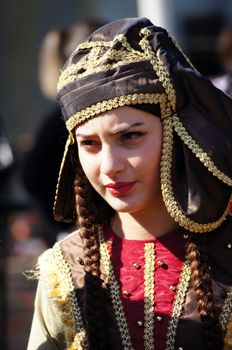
x,y
146,176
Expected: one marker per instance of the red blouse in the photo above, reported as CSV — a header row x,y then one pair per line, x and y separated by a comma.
x,y
128,261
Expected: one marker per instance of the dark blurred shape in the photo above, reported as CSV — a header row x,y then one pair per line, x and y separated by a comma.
x,y
42,163
224,51
6,157
201,33
6,166
56,47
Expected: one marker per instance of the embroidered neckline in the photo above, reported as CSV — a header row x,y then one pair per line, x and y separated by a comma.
x,y
148,298
54,261
77,339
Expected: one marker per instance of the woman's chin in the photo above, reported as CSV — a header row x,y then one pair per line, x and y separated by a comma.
x,y
123,206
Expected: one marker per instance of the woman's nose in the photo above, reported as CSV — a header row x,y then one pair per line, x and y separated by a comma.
x,y
112,161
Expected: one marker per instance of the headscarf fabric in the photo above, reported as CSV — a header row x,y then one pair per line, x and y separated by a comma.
x,y
131,62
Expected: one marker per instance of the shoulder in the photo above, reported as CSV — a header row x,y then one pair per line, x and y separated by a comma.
x,y
72,246
62,264
56,306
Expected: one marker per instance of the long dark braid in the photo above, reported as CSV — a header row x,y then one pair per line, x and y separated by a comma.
x,y
93,292
202,285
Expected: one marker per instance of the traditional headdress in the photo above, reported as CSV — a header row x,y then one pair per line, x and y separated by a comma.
x,y
132,62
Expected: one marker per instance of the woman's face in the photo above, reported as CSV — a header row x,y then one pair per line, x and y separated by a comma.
x,y
120,154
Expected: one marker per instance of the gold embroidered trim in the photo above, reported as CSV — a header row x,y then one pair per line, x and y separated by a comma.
x,y
226,320
149,295
199,153
148,298
56,272
158,67
71,74
115,295
93,62
166,186
226,309
178,306
124,100
70,140
120,37
228,335
61,289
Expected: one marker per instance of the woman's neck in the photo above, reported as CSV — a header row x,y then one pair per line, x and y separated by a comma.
x,y
143,225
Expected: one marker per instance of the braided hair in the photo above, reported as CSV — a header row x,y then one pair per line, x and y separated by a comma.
x,y
90,225
92,211
202,285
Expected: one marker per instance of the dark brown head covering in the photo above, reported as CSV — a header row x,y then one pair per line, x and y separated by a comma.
x,y
133,62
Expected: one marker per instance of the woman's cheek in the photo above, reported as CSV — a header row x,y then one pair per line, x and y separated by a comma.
x,y
90,168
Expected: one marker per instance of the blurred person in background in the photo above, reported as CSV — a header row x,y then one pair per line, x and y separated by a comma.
x,y
42,164
146,177
224,51
6,167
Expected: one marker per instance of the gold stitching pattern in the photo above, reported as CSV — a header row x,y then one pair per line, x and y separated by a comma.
x,y
91,44
61,289
198,151
158,67
166,186
226,310
120,101
178,306
57,271
71,74
228,335
115,295
68,292
93,62
149,295
69,141
149,298
226,320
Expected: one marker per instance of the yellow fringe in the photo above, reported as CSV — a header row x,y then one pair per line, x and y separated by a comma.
x,y
228,335
55,272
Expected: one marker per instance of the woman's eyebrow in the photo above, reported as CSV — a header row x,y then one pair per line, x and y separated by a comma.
x,y
125,128
83,135
113,132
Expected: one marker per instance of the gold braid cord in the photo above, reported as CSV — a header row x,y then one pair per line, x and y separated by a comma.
x,y
56,273
149,290
120,101
149,296
159,68
179,301
199,153
102,52
115,295
228,335
164,78
70,140
166,186
226,320
94,62
168,124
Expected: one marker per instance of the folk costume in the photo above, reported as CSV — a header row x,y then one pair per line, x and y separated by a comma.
x,y
150,300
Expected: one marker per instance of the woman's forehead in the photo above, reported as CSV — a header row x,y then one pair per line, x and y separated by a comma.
x,y
117,119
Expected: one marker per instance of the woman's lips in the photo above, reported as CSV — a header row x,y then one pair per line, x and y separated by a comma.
x,y
118,188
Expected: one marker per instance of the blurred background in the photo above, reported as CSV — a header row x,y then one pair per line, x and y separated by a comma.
x,y
36,37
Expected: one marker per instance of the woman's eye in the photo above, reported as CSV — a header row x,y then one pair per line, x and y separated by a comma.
x,y
89,144
133,135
